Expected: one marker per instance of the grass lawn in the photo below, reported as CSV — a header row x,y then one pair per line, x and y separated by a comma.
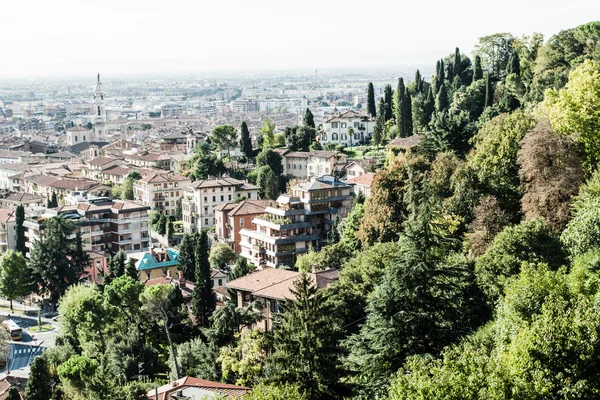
x,y
45,328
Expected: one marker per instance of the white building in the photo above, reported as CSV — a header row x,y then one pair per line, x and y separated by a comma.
x,y
78,134
335,129
160,191
201,197
99,113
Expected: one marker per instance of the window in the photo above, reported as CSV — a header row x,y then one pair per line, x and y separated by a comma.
x,y
241,221
334,124
343,124
221,188
205,221
164,185
334,136
324,136
75,138
221,197
214,198
344,136
356,124
220,282
356,136
229,197
249,196
205,199
205,210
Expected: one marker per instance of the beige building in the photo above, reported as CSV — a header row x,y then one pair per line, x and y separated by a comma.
x,y
160,191
201,197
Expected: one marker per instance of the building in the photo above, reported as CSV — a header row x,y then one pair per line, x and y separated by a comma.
x,y
189,388
295,163
99,113
8,238
106,226
324,162
272,287
335,129
218,277
78,134
299,221
201,197
11,200
230,218
161,191
402,145
156,263
149,160
362,183
178,281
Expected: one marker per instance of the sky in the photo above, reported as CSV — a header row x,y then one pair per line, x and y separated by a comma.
x,y
76,38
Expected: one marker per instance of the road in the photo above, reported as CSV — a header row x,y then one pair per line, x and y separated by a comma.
x,y
22,353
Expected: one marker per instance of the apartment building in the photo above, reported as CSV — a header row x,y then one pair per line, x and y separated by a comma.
x,y
335,129
106,226
7,231
149,160
231,218
201,197
297,222
160,191
303,164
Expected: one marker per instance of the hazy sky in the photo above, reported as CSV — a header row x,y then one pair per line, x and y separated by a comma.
x,y
116,37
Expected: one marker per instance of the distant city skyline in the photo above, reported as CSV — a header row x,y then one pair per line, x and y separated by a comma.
x,y
69,38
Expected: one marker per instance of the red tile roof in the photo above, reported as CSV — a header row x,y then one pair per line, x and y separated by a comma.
x,y
165,391
364,179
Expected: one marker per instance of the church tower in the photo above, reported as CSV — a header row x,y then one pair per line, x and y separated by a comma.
x,y
99,113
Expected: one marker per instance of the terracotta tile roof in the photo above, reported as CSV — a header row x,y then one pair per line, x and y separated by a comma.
x,y
364,179
223,181
245,207
349,114
102,161
324,153
228,390
163,177
261,279
6,215
21,197
407,142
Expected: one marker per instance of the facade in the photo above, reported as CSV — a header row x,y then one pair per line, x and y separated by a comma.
x,y
201,197
362,183
106,226
335,129
78,134
8,239
324,162
155,263
160,191
298,221
231,218
11,200
272,287
295,163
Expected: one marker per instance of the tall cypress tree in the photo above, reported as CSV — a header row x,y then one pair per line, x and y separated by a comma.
x,y
187,257
379,129
489,91
245,141
477,70
457,63
371,101
388,93
514,64
429,105
19,230
54,201
442,73
203,298
418,82
401,89
309,119
408,113
441,101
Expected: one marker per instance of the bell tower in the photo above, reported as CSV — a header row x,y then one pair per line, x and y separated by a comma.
x,y
99,113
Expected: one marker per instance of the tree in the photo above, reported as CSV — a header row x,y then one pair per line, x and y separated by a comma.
x,y
489,92
220,255
116,264
550,172
495,51
156,300
477,70
379,129
203,298
575,110
224,136
530,241
56,261
305,346
388,100
241,268
418,82
131,270
187,257
271,159
127,189
371,101
441,101
199,359
309,119
243,362
13,394
275,392
206,162
457,65
161,225
268,182
268,134
54,200
19,230
13,276
246,141
39,382
489,220
513,66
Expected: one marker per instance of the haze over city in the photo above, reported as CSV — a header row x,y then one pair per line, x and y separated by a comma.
x,y
74,38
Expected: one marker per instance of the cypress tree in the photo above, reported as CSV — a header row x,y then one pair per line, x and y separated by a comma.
x,y
418,82
514,64
371,101
435,78
429,105
489,91
245,141
309,119
379,128
187,257
20,231
54,201
442,73
441,101
400,95
203,299
408,113
13,394
457,63
388,93
477,70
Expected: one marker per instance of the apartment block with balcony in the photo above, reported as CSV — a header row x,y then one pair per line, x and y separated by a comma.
x,y
7,231
299,221
160,191
231,218
201,198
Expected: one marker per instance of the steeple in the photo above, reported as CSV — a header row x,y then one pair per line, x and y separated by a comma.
x,y
99,112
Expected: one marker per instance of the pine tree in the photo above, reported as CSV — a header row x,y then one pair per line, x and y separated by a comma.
x,y
187,257
371,101
203,298
489,91
39,383
306,350
131,270
116,264
441,101
477,70
245,141
514,64
457,63
309,119
388,93
19,230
